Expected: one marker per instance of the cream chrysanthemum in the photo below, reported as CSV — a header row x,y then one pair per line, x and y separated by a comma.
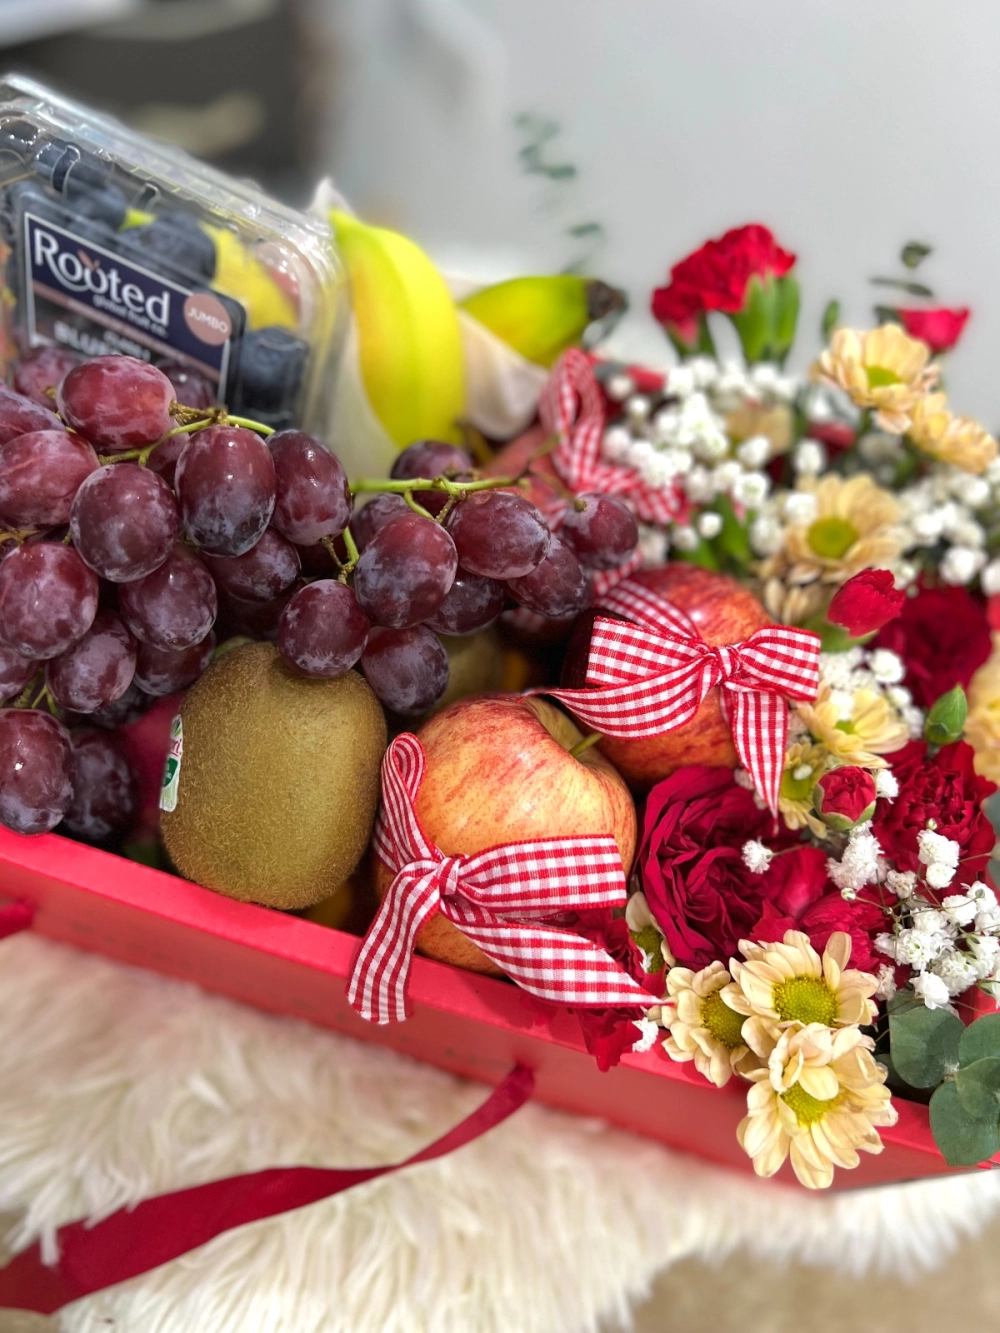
x,y
884,369
818,1099
856,727
982,726
960,441
805,764
703,1028
854,528
789,984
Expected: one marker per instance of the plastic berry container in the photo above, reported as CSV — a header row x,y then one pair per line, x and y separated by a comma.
x,y
112,243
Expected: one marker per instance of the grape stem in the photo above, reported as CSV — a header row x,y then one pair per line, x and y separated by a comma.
x,y
417,508
579,748
453,488
19,535
344,568
197,418
23,700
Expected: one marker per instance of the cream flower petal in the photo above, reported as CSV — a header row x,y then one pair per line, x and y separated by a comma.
x,y
821,1083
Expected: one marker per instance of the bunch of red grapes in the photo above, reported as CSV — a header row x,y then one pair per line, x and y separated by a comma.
x,y
133,547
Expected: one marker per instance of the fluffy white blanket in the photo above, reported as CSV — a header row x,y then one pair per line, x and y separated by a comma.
x,y
117,1084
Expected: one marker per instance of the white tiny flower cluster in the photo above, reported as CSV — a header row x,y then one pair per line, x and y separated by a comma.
x,y
858,864
946,509
880,670
950,947
940,856
756,857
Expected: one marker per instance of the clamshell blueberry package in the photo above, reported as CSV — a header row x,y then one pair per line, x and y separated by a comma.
x,y
111,243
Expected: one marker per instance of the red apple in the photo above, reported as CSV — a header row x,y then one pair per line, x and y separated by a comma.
x,y
499,769
724,612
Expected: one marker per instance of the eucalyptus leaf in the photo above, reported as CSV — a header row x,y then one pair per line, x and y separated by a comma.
x,y
980,1040
831,315
978,1086
903,285
914,253
923,1042
964,1140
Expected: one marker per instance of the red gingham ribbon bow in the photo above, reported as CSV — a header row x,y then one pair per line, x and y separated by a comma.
x,y
571,407
493,897
654,669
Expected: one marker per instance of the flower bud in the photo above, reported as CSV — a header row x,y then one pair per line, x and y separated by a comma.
x,y
844,797
946,719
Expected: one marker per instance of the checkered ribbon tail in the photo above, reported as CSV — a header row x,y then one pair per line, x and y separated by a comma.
x,y
653,669
571,407
495,897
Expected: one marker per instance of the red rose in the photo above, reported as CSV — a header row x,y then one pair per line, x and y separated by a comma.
x,y
844,797
942,635
860,919
939,329
716,276
943,787
691,868
866,602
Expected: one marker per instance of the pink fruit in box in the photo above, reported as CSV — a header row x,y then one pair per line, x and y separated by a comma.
x,y
724,612
499,769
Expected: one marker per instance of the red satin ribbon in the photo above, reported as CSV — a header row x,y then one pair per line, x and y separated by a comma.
x,y
15,917
133,1241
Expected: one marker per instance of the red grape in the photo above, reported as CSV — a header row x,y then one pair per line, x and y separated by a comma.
x,y
260,574
19,415
104,787
163,459
367,520
190,388
173,607
254,620
40,474
558,587
407,668
405,572
322,630
429,459
124,521
35,765
132,704
314,499
226,488
603,534
498,534
43,368
315,559
15,672
472,603
158,671
97,670
48,599
117,402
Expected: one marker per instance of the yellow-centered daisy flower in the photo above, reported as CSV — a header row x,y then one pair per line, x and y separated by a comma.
x,y
885,370
818,1099
960,441
702,1026
789,984
856,727
805,764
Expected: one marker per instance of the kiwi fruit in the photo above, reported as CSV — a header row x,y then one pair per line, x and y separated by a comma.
x,y
278,782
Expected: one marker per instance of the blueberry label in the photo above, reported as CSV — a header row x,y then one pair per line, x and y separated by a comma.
x,y
80,295
172,769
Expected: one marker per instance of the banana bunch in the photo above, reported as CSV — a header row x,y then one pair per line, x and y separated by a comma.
x,y
416,365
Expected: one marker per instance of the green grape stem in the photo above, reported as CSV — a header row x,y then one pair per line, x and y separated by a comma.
x,y
452,488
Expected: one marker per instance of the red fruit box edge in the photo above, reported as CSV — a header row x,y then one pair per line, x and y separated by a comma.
x,y
474,1026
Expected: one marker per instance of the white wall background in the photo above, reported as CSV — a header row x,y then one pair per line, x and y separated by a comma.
x,y
848,126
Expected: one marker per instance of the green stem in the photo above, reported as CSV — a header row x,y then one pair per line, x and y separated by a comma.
x,y
417,508
579,748
455,488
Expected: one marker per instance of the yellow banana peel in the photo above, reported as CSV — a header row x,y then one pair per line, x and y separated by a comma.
x,y
539,317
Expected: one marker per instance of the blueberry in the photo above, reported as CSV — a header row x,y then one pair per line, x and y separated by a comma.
x,y
271,364
100,201
175,240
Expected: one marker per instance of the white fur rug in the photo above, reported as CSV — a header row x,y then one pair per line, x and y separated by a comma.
x,y
116,1084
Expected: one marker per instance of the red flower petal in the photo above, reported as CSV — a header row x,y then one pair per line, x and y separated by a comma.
x,y
866,602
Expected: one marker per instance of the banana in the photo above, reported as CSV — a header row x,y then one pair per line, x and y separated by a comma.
x,y
409,343
540,317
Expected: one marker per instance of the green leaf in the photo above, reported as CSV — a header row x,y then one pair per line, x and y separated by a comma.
x,y
755,322
914,253
786,314
830,317
732,541
964,1140
980,1040
702,555
979,1088
902,285
923,1042
946,719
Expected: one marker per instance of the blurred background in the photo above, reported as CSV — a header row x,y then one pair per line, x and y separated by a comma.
x,y
508,135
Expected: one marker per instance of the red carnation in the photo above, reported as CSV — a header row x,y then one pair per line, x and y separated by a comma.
x,y
860,919
678,308
845,797
716,276
866,602
939,329
946,788
943,636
